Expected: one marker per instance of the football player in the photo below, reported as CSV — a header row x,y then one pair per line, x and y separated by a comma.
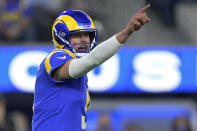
x,y
61,93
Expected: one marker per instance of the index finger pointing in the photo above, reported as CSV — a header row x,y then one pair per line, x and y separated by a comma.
x,y
145,8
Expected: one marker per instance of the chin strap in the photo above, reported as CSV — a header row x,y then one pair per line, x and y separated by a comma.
x,y
79,54
82,54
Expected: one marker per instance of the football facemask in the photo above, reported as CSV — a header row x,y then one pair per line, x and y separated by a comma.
x,y
70,22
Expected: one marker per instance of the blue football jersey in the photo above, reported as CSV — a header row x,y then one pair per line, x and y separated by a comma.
x,y
59,105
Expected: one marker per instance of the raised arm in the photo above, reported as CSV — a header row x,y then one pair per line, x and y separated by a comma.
x,y
78,67
135,23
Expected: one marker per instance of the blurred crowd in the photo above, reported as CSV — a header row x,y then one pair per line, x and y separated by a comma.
x,y
31,20
179,123
16,20
12,121
17,120
166,10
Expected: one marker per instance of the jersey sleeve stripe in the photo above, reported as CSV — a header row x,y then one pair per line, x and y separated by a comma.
x,y
69,52
47,61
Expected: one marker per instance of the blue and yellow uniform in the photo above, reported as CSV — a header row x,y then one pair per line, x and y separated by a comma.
x,y
59,105
12,11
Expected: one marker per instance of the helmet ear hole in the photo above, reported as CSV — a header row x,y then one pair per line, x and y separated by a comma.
x,y
58,41
92,36
67,38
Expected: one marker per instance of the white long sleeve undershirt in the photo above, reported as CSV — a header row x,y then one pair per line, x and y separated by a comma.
x,y
97,56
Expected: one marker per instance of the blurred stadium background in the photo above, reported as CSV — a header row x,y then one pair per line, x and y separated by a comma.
x,y
150,85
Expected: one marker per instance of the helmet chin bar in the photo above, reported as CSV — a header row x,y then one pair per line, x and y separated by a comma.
x,y
82,53
79,54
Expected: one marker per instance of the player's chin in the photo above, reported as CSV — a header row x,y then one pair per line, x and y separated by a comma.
x,y
82,49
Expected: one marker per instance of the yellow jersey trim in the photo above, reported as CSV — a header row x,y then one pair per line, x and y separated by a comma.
x,y
87,100
67,51
47,63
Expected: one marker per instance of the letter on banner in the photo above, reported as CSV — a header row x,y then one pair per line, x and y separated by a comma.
x,y
18,69
157,71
